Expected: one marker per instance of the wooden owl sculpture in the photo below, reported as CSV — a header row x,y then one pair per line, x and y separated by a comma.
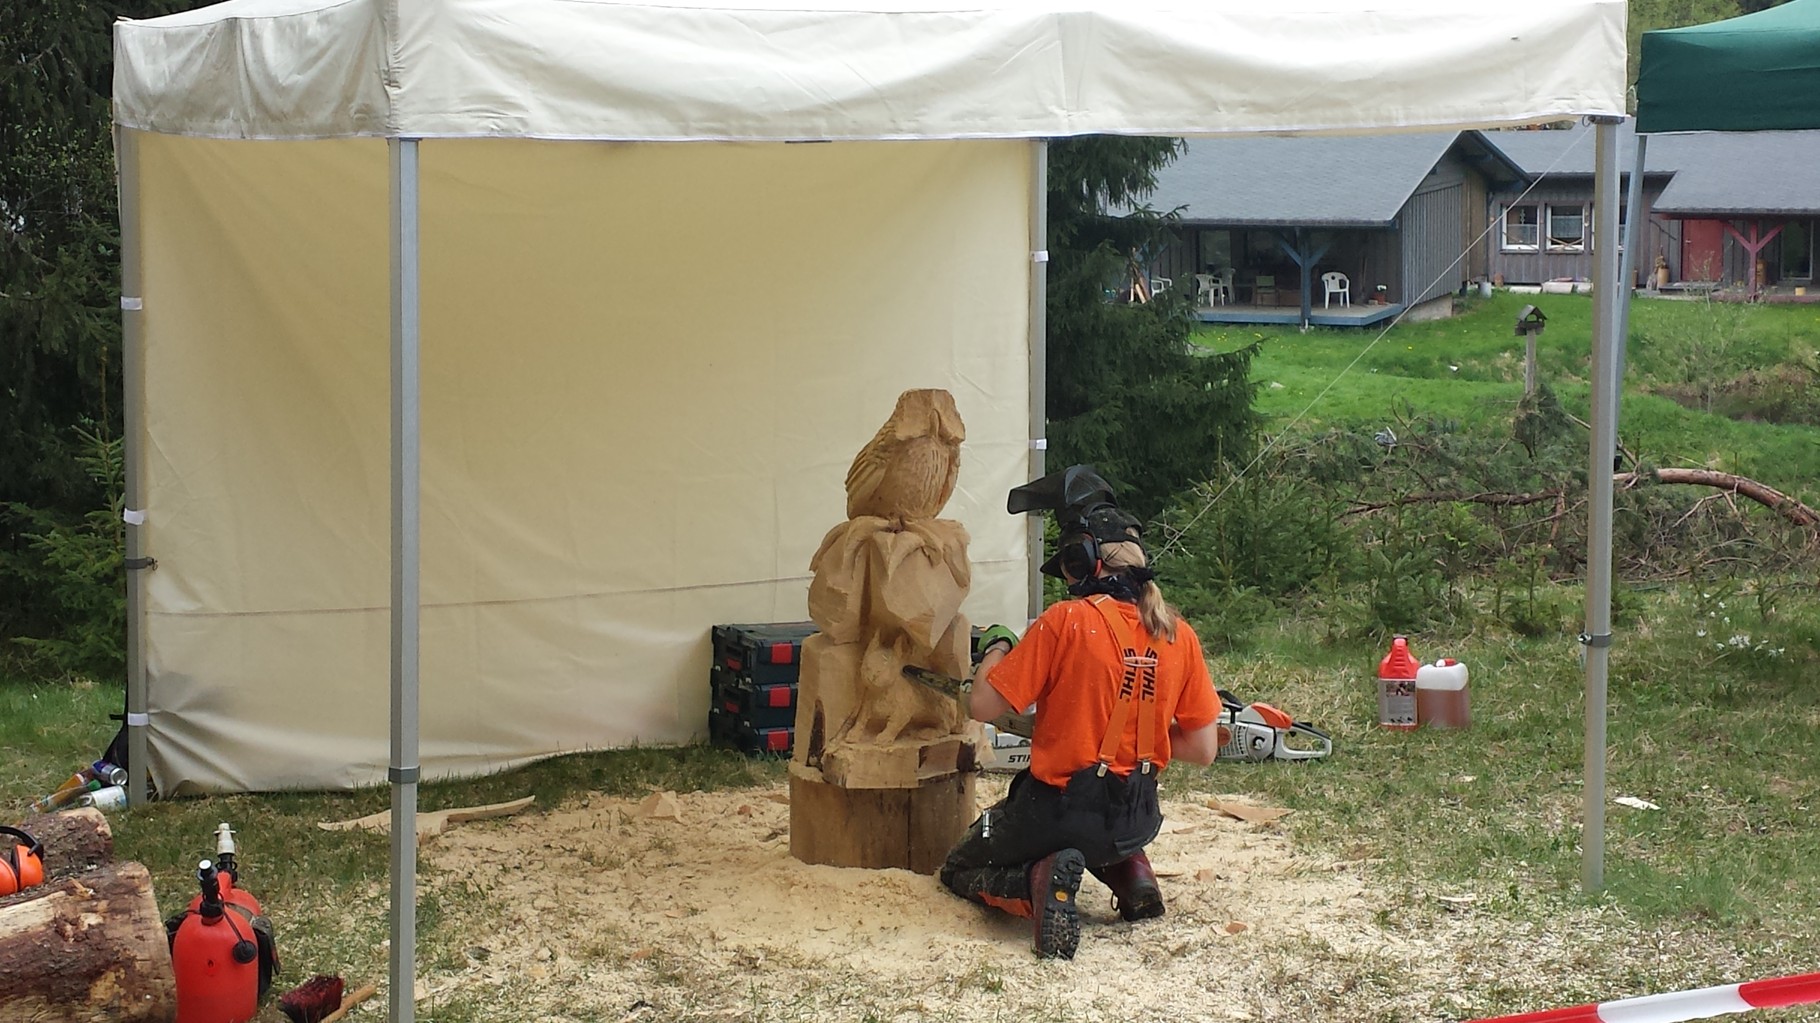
x,y
908,470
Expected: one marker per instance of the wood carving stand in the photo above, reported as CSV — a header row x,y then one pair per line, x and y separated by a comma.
x,y
883,769
904,807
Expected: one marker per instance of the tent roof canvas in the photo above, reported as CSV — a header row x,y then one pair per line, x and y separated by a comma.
x,y
1754,73
732,70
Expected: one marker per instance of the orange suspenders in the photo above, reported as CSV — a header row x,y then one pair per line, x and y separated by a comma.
x,y
1136,685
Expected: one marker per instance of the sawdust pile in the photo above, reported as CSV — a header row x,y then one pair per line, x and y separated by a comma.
x,y
691,907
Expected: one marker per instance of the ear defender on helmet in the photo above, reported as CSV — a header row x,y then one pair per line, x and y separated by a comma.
x,y
21,866
1077,557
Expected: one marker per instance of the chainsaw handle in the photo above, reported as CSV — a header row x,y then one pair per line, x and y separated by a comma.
x,y
1284,752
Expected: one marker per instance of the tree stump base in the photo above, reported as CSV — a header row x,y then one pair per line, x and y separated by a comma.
x,y
910,825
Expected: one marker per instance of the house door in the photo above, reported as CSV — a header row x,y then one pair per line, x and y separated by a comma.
x,y
1702,250
1798,250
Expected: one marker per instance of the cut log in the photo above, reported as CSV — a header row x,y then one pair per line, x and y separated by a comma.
x,y
86,949
910,828
74,840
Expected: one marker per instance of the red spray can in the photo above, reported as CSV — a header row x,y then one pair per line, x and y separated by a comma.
x,y
1397,687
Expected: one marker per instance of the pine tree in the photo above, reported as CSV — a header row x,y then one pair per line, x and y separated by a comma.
x,y
59,294
1128,391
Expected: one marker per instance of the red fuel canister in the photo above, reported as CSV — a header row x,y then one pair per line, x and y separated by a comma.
x,y
215,958
1397,687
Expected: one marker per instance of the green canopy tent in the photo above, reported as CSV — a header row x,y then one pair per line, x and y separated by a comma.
x,y
1760,72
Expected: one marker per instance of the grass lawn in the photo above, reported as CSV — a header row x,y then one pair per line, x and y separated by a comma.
x,y
1469,369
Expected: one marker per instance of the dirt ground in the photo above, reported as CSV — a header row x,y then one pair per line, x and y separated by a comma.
x,y
599,910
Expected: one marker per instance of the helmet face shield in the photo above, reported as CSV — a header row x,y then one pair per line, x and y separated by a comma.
x,y
1086,513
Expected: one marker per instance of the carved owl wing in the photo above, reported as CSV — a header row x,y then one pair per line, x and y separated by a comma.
x,y
868,469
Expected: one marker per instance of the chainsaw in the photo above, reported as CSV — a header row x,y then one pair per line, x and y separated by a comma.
x,y
1262,732
960,689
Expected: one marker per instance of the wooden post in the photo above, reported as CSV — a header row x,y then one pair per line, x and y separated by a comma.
x,y
88,948
1529,365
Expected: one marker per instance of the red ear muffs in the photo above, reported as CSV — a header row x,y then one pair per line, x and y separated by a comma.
x,y
21,866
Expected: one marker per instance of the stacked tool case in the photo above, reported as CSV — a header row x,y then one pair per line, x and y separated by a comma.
x,y
752,685
752,694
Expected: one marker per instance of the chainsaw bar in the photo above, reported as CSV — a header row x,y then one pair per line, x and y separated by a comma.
x,y
947,685
1022,725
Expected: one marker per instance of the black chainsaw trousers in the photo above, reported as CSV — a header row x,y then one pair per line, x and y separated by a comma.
x,y
1106,817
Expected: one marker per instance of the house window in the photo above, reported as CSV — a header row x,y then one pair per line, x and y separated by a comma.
x,y
1520,228
1566,228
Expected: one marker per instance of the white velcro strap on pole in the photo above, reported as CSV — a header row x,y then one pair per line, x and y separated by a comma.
x,y
133,516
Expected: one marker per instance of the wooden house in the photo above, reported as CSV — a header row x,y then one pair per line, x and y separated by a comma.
x,y
1402,217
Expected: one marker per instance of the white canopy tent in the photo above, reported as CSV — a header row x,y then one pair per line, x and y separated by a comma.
x,y
644,364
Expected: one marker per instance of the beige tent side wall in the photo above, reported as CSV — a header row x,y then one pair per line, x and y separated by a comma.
x,y
645,371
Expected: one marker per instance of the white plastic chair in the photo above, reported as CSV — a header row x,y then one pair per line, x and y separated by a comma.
x,y
1203,289
1223,285
1334,283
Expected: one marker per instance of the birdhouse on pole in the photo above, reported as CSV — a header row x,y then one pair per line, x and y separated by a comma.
x,y
1530,323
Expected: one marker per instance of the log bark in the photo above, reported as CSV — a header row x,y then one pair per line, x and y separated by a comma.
x,y
74,840
1767,496
87,948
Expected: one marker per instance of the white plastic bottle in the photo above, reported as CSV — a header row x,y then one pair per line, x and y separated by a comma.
x,y
1441,696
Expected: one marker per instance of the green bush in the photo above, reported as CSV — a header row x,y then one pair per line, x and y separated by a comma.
x,y
79,566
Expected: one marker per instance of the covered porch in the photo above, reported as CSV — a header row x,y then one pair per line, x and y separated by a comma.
x,y
1360,315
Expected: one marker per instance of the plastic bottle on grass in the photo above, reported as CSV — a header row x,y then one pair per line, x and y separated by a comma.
x,y
1441,700
1397,687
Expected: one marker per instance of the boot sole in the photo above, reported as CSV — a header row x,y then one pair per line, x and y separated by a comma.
x,y
1146,906
1058,919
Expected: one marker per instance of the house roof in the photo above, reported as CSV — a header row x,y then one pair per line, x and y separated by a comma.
x,y
1709,173
1305,181
1730,174
1570,152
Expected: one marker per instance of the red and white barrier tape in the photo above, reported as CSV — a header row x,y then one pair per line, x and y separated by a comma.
x,y
1684,1005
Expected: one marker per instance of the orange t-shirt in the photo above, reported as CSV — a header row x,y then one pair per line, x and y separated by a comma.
x,y
1070,666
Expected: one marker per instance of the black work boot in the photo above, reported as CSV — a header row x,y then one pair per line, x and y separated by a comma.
x,y
1005,888
1134,888
1055,880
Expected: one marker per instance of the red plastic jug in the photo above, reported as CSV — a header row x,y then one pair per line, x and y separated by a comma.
x,y
1397,687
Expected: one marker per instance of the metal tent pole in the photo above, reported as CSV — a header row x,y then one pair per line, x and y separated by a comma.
x,y
132,414
1596,640
403,772
1039,358
1633,228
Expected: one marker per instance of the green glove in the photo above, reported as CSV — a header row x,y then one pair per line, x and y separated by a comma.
x,y
993,634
